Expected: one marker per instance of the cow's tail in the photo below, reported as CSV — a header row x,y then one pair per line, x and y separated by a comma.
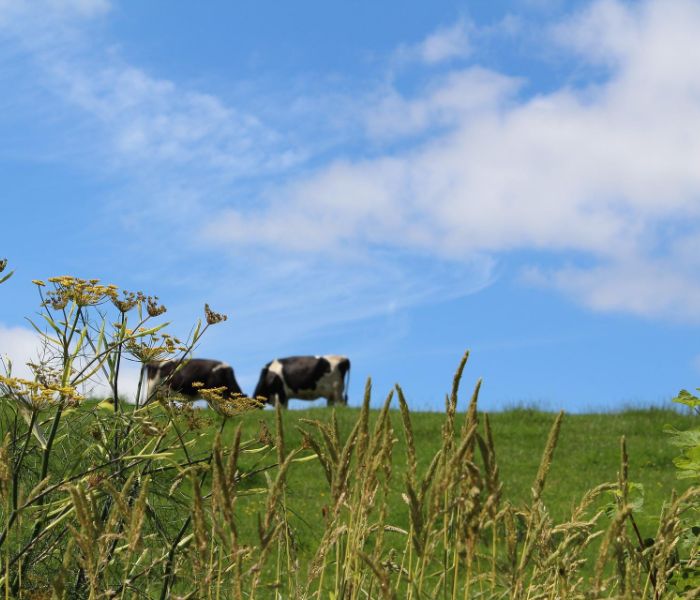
x,y
142,390
347,382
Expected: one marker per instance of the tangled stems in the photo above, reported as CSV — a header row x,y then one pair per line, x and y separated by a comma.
x,y
78,343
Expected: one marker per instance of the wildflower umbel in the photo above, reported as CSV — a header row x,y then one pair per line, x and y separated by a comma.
x,y
84,292
226,405
149,347
213,317
37,395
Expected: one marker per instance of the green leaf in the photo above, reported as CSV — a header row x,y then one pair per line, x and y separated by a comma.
x,y
139,334
685,397
683,439
106,405
101,338
43,333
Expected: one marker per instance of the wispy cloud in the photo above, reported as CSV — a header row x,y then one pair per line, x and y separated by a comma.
x,y
605,172
153,122
129,117
443,45
465,171
448,101
17,14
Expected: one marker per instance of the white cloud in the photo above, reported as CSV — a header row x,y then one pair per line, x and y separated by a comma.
x,y
459,95
467,167
303,296
22,345
154,122
641,287
445,44
603,171
125,117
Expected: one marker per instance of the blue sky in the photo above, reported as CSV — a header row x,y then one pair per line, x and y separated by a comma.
x,y
394,181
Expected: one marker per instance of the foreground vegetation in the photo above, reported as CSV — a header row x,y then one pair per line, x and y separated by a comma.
x,y
159,500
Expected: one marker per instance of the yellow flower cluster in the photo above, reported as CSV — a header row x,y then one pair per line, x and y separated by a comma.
x,y
89,292
228,406
38,395
84,292
152,347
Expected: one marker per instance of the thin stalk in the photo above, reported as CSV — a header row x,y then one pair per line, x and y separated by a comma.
x,y
20,459
494,549
455,574
467,583
117,363
169,573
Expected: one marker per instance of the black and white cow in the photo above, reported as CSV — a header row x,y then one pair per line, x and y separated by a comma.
x,y
210,373
306,378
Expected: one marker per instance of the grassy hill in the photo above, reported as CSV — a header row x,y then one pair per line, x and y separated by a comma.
x,y
588,453
300,511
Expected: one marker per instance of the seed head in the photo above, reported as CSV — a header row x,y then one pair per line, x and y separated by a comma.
x,y
213,317
126,302
153,308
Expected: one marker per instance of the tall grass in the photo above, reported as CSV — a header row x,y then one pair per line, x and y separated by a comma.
x,y
111,500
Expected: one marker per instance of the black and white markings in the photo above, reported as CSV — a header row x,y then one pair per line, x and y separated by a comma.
x,y
305,378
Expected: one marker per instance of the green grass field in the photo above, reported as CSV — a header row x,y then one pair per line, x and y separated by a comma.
x,y
588,453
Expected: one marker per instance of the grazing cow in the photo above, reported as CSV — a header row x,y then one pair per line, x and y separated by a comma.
x,y
306,378
211,373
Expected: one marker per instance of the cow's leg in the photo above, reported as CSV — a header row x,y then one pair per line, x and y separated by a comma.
x,y
336,396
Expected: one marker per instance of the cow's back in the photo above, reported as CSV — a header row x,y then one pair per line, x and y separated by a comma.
x,y
207,372
302,372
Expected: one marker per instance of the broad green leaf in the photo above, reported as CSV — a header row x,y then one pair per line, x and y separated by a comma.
x,y
683,439
685,397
